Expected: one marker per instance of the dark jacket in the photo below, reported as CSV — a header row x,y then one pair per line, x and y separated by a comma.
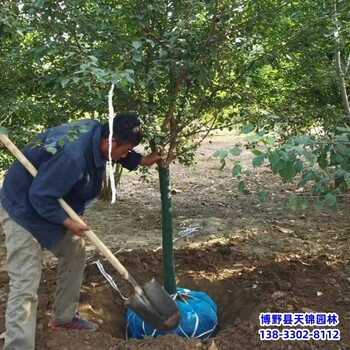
x,y
74,172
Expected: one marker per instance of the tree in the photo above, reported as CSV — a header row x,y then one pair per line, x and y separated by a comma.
x,y
309,78
340,26
187,67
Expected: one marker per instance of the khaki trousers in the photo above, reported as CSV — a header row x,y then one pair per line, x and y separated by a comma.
x,y
24,264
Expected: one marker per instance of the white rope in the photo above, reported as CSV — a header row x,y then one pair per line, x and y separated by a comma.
x,y
187,230
108,278
183,332
208,333
110,164
195,327
127,325
122,250
183,233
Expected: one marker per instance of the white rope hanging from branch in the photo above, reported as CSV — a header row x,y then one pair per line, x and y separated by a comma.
x,y
110,167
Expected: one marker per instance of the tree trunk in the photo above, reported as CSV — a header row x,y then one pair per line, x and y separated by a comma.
x,y
340,73
106,192
342,83
167,231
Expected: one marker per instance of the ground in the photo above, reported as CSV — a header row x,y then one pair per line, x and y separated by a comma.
x,y
250,258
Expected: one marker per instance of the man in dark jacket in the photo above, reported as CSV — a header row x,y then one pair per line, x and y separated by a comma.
x,y
71,160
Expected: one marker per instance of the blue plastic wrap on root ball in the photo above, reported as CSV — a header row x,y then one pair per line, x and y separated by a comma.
x,y
198,318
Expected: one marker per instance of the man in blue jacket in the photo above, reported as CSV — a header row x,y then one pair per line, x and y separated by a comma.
x,y
70,160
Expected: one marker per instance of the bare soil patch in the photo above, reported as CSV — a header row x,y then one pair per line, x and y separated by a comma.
x,y
249,257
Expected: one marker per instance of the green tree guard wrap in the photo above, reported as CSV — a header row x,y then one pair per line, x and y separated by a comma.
x,y
167,231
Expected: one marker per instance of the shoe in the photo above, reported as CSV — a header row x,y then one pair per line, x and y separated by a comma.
x,y
77,323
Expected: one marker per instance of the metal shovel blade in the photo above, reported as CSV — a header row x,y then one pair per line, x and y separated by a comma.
x,y
155,306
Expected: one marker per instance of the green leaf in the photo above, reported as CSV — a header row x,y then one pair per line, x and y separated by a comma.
x,y
262,196
257,161
237,169
172,39
322,160
345,164
151,42
61,143
293,201
130,79
236,151
64,82
342,149
302,140
51,149
3,130
247,129
330,199
93,58
318,206
157,140
241,186
83,129
276,162
221,153
136,44
136,56
342,138
288,172
301,183
309,156
339,128
270,141
304,204
286,156
339,159
254,138
223,163
256,152
298,166
335,207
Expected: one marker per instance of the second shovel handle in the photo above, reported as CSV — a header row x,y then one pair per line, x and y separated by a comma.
x,y
73,215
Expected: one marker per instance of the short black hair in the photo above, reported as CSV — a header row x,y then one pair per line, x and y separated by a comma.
x,y
126,129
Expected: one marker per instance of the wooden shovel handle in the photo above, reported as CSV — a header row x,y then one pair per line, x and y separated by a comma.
x,y
73,215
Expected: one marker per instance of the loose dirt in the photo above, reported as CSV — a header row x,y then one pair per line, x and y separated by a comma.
x,y
250,258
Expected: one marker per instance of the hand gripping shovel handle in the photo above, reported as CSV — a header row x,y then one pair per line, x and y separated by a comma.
x,y
73,215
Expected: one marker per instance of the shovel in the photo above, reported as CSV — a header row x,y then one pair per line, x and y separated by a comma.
x,y
151,302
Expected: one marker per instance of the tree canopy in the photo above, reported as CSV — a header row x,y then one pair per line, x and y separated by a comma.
x,y
186,67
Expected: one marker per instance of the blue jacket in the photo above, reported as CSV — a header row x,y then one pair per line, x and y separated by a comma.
x,y
74,173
